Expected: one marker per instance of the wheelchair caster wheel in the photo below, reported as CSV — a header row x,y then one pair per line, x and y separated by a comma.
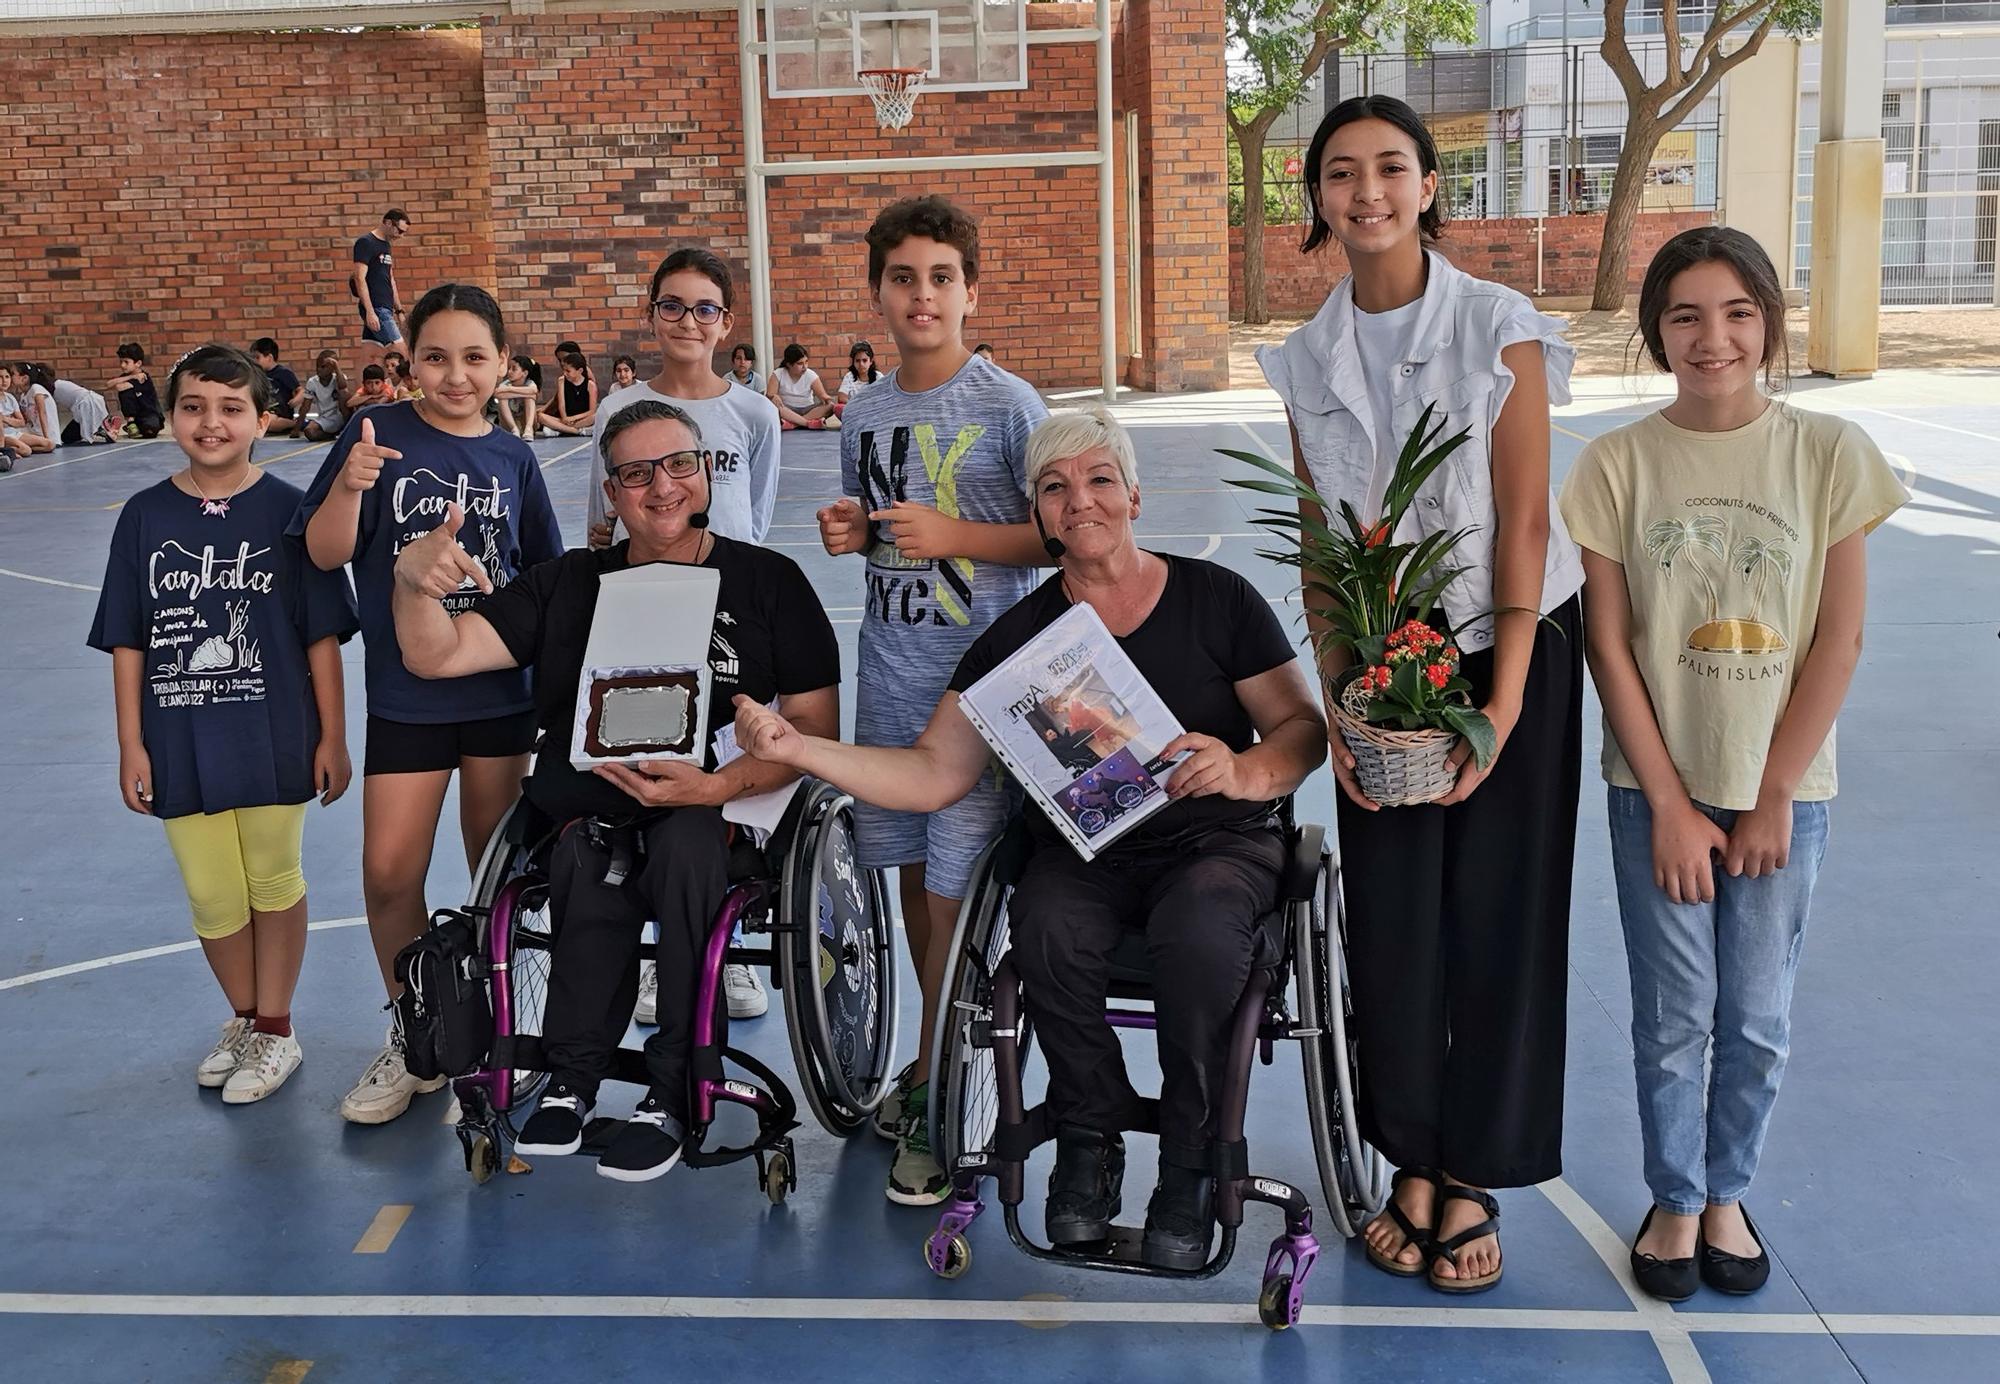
x,y
948,1256
482,1158
778,1178
1274,1304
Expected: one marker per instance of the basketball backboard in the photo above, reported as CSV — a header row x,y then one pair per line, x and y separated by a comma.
x,y
816,46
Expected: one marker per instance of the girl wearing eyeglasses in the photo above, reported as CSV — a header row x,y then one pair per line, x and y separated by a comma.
x,y
687,309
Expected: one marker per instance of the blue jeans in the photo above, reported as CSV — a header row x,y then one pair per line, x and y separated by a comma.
x,y
382,331
1711,989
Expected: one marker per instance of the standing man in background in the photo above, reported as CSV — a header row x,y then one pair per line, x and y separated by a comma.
x,y
374,284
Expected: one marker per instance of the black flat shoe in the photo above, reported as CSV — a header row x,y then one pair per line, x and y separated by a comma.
x,y
1180,1220
1669,1280
1084,1187
1733,1273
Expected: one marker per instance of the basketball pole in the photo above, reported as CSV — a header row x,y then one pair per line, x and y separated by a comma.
x,y
757,167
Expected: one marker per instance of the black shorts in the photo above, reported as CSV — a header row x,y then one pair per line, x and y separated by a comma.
x,y
403,747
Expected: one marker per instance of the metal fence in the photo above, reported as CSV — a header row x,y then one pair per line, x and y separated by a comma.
x,y
1531,130
1940,172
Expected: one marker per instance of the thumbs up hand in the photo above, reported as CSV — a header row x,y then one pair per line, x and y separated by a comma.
x,y
365,458
435,565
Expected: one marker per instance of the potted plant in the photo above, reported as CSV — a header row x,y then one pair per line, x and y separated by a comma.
x,y
1401,704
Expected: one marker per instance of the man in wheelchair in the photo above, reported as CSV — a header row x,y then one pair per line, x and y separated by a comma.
x,y
1194,878
640,842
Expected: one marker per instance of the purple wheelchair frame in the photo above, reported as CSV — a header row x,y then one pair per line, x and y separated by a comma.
x,y
486,1097
1253,1033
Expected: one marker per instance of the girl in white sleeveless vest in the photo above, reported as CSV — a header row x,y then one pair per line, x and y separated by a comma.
x,y
1458,910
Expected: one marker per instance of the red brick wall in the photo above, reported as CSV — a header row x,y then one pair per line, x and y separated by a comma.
x,y
178,195
1296,284
173,189
616,138
1175,79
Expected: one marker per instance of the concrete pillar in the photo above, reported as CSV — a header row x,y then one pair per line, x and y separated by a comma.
x,y
1846,289
1760,149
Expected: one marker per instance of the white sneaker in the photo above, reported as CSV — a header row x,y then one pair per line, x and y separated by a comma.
x,y
648,1009
268,1058
744,992
226,1056
385,1089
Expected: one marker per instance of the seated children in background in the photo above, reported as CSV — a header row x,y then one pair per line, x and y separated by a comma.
x,y
516,400
861,373
375,389
397,366
37,407
138,400
286,395
574,410
743,368
624,372
801,399
89,419
324,412
984,352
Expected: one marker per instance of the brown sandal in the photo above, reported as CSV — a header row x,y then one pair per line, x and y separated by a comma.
x,y
1412,1234
1448,1249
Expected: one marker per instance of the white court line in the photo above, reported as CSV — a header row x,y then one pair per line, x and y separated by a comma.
x,y
1263,447
1208,548
144,953
1669,1332
18,474
1230,1314
570,453
1926,423
45,581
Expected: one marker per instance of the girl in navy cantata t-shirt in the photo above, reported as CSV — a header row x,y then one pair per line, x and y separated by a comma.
x,y
388,480
225,646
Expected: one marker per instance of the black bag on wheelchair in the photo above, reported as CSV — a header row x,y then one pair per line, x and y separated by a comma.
x,y
445,1012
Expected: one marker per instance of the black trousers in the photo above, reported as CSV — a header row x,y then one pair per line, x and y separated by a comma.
x,y
1458,940
594,973
1198,904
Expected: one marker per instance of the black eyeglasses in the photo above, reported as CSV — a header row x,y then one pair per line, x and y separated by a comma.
x,y
637,475
673,310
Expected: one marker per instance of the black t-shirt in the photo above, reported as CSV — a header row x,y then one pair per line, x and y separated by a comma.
x,y
771,638
374,252
1209,631
284,384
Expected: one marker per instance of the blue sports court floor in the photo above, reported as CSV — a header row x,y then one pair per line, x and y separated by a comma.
x,y
146,1233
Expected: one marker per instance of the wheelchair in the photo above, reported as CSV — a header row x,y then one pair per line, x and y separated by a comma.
x,y
984,1036
831,954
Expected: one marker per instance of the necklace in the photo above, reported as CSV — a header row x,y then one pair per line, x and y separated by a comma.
x,y
217,509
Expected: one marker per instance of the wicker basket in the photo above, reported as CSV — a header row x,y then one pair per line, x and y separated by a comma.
x,y
1396,768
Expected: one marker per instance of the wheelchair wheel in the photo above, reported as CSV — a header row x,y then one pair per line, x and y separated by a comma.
x,y
530,935
1354,1176
965,1106
837,954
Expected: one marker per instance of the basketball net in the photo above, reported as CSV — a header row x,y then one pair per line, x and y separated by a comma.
x,y
894,92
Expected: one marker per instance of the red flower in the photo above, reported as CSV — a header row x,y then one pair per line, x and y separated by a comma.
x,y
1439,674
1378,535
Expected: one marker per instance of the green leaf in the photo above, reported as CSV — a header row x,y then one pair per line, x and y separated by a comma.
x,y
1477,730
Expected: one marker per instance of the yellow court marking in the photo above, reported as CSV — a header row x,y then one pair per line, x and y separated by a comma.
x,y
1557,427
381,1232
288,1372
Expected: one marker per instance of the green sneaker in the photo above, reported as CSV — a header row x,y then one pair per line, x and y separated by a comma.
x,y
915,1179
889,1114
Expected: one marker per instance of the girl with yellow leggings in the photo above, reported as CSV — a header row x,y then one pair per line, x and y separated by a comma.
x,y
225,650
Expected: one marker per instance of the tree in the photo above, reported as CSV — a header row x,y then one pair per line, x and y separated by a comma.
x,y
1652,109
1283,44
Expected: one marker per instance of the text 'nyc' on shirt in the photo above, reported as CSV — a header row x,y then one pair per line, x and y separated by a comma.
x,y
223,608
961,448
509,525
1723,537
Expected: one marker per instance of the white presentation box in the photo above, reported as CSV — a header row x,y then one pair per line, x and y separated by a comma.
x,y
644,690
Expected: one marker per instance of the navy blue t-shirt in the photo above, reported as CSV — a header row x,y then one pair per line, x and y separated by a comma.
x,y
509,525
223,609
284,384
374,252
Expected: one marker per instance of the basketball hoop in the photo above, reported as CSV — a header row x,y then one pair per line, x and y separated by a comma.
x,y
894,92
